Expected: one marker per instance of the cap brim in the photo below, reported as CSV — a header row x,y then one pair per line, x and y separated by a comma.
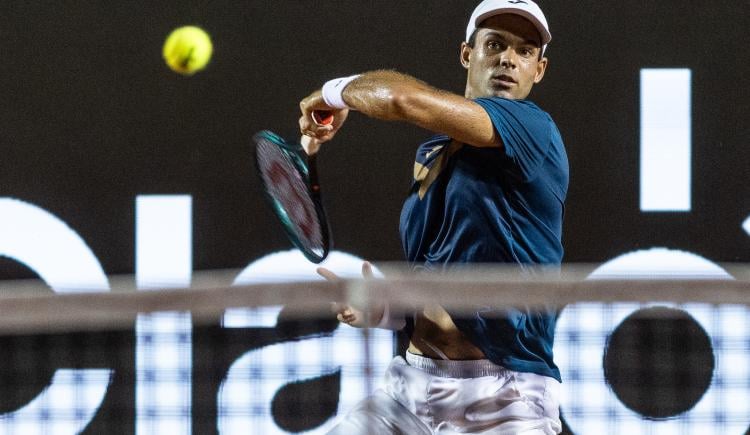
x,y
540,27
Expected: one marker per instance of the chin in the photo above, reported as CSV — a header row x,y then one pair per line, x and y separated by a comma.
x,y
491,91
503,93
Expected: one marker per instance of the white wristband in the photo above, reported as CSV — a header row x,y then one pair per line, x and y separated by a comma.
x,y
332,91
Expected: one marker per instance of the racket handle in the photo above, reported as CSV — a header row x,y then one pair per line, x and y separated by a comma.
x,y
322,117
308,146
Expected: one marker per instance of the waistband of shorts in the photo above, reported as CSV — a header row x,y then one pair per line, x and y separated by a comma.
x,y
455,368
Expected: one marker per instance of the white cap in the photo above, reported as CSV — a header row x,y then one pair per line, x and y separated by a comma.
x,y
525,8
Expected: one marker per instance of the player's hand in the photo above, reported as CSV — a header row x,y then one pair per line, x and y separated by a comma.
x,y
311,127
310,145
348,314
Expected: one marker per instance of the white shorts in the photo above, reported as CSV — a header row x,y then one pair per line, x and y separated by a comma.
x,y
426,397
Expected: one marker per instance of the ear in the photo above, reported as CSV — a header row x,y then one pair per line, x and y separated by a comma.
x,y
465,55
541,67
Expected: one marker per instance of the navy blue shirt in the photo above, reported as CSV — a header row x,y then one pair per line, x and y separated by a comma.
x,y
494,205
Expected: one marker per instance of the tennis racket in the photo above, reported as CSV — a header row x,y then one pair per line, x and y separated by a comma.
x,y
290,185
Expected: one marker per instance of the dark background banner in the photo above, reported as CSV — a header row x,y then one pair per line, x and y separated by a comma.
x,y
91,117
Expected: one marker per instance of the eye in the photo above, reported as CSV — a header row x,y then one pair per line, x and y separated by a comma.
x,y
526,51
495,45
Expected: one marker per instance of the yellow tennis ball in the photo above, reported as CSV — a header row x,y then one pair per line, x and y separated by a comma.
x,y
188,50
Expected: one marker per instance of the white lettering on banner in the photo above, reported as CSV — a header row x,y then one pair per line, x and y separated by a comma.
x,y
164,365
47,246
590,407
66,406
245,395
57,254
665,140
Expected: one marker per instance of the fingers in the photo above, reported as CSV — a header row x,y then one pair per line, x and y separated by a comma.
x,y
308,125
330,276
367,269
309,128
344,313
327,274
347,317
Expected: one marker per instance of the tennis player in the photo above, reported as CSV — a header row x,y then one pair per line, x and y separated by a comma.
x,y
489,188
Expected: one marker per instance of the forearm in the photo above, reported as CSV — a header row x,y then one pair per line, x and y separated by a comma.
x,y
393,96
380,94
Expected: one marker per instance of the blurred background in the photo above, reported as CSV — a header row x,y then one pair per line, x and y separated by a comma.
x,y
92,118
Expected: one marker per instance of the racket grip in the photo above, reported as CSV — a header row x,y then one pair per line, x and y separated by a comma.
x,y
322,117
308,145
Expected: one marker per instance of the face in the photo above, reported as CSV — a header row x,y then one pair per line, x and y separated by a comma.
x,y
505,60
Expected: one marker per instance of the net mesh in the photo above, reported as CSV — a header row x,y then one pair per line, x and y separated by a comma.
x,y
658,357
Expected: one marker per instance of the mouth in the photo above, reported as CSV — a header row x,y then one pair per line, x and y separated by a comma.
x,y
503,80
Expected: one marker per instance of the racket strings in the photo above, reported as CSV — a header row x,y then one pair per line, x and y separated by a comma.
x,y
290,191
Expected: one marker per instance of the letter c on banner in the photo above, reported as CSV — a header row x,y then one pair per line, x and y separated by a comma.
x,y
589,405
46,245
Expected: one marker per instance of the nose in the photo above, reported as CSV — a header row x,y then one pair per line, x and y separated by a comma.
x,y
507,59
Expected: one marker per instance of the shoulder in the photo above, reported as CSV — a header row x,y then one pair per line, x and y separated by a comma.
x,y
518,108
522,116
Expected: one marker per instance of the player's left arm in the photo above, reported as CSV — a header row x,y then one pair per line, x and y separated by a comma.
x,y
392,96
353,316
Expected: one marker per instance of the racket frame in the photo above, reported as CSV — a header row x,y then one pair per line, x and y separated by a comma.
x,y
307,168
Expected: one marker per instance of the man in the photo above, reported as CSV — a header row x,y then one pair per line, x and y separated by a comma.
x,y
489,188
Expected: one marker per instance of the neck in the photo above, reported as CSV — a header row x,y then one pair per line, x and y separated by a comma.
x,y
468,93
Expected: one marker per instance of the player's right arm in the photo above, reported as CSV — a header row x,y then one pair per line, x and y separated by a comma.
x,y
392,96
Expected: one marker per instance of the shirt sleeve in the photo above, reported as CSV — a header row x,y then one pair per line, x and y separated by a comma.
x,y
526,132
